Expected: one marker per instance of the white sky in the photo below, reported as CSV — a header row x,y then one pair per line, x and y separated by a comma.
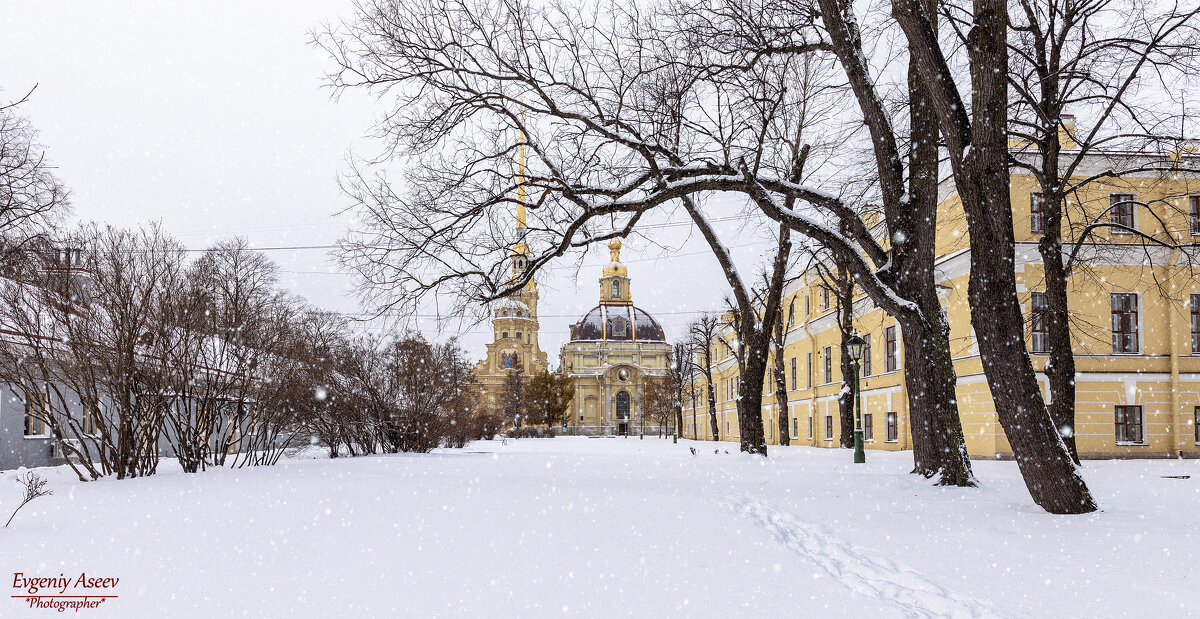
x,y
212,118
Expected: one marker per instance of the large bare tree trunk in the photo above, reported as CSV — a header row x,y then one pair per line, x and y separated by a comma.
x,y
1060,369
714,427
845,299
754,371
978,149
928,365
938,444
781,397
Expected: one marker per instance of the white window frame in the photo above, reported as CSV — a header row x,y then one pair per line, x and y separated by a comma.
x,y
45,427
1137,302
1141,423
1044,349
1133,206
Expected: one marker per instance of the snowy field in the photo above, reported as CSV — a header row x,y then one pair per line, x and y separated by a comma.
x,y
611,527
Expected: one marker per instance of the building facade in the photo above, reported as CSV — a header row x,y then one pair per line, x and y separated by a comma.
x,y
1135,312
615,350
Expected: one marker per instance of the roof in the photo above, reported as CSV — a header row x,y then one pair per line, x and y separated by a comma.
x,y
617,323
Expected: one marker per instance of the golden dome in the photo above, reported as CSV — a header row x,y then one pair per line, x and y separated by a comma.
x,y
614,252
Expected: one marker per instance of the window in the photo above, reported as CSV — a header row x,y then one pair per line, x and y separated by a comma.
x,y
616,288
893,431
1196,424
1129,424
1037,219
1037,320
866,355
829,427
1121,212
796,427
868,429
824,298
1196,324
807,310
791,314
91,418
810,370
810,427
1194,204
622,405
889,349
1124,323
35,411
794,361
828,365
504,335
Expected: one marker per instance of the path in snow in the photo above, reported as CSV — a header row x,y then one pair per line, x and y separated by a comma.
x,y
872,576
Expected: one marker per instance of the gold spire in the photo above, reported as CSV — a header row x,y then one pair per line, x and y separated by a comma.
x,y
520,247
521,176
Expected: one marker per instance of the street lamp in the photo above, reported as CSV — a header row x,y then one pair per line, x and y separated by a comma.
x,y
676,419
855,346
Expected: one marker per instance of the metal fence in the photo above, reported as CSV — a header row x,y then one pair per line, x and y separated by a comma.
x,y
612,429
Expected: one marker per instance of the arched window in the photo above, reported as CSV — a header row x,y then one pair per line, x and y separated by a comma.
x,y
623,405
616,288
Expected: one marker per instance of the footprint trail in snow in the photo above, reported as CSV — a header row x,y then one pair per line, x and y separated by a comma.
x,y
875,577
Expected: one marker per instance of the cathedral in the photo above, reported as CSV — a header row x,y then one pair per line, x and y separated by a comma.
x,y
514,323
614,349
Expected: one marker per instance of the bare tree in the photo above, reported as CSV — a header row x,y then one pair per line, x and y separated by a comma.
x,y
657,401
728,124
837,284
703,333
84,329
34,486
31,195
513,406
680,371
779,375
1097,58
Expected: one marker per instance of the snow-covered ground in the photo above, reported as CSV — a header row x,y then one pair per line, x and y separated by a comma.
x,y
611,527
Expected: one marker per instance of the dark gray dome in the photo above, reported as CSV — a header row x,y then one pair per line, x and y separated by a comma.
x,y
617,322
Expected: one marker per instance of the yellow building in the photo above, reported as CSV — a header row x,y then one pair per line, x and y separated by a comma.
x,y
614,350
1135,312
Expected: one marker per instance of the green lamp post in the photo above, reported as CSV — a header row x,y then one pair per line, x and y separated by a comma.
x,y
855,347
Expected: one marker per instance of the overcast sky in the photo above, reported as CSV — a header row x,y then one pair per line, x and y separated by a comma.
x,y
212,118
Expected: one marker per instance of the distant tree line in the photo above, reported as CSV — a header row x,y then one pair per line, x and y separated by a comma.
x,y
124,348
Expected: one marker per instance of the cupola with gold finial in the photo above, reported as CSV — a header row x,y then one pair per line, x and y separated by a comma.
x,y
614,283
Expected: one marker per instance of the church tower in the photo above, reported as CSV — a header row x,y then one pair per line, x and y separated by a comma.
x,y
515,325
